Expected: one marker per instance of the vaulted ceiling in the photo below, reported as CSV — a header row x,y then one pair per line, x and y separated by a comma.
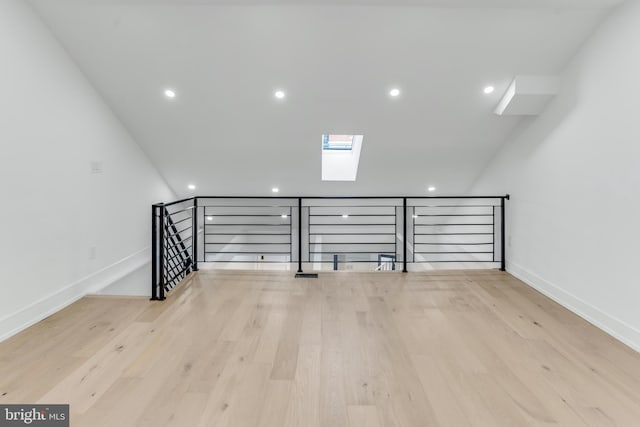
x,y
336,61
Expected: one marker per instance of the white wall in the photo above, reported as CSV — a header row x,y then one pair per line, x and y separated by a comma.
x,y
53,210
574,177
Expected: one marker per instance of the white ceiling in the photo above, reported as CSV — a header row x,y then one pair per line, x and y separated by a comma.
x,y
227,133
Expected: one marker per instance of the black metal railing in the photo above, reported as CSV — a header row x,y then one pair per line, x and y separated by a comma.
x,y
312,231
357,234
174,243
456,227
240,233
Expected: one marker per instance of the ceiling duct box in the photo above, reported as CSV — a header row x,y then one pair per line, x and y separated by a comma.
x,y
528,95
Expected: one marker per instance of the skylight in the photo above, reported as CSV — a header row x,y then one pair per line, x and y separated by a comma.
x,y
340,157
337,142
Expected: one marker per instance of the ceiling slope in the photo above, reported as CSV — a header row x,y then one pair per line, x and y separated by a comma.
x,y
228,134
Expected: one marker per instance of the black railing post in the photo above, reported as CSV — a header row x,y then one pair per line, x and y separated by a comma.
x,y
299,235
161,253
154,254
404,235
503,261
194,233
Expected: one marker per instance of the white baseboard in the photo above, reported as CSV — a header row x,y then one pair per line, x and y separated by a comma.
x,y
46,306
617,328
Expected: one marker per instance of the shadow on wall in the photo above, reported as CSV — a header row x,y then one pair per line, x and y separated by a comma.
x,y
537,130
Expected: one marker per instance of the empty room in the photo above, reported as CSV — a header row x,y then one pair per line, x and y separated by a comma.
x,y
320,213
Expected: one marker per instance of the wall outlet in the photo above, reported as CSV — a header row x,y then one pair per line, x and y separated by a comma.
x,y
93,252
261,257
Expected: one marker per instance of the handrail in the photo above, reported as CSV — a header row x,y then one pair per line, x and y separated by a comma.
x,y
166,205
341,197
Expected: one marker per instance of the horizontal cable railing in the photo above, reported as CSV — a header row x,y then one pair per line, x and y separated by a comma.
x,y
317,231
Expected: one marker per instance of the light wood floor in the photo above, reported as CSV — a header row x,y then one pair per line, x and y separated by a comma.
x,y
349,349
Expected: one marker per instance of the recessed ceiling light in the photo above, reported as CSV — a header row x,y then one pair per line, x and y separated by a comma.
x,y
431,189
209,218
345,216
415,216
170,93
191,187
394,92
275,190
279,94
489,90
284,216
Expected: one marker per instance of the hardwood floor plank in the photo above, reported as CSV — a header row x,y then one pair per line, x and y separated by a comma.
x,y
363,416
286,357
304,408
276,403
